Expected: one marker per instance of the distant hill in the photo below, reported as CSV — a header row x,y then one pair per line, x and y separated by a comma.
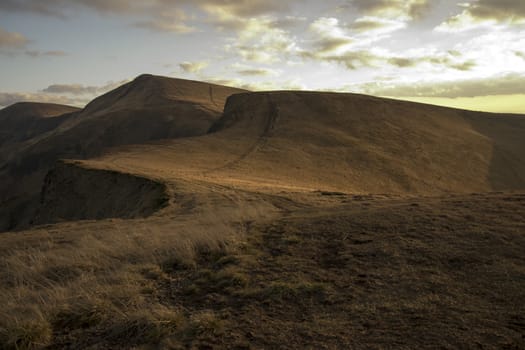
x,y
24,120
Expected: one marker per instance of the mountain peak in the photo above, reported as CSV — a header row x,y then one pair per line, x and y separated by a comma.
x,y
153,90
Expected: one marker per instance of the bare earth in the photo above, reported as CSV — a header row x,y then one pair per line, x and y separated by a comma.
x,y
290,220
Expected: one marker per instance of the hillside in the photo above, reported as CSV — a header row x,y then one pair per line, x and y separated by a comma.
x,y
191,215
25,120
343,142
145,109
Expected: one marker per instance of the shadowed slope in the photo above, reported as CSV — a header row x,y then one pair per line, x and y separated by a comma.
x,y
507,134
24,120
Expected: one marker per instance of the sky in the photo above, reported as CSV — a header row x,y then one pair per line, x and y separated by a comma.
x,y
467,54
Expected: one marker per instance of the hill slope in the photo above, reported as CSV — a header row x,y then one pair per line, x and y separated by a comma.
x,y
343,142
148,108
24,120
299,220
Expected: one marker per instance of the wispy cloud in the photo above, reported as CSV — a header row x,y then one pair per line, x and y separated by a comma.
x,y
328,36
8,98
485,13
53,53
261,41
79,89
261,72
12,39
290,84
174,20
393,9
71,94
193,67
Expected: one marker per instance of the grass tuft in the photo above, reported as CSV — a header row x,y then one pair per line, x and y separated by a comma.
x,y
147,326
27,334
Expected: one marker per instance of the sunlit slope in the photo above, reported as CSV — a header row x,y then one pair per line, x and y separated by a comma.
x,y
343,142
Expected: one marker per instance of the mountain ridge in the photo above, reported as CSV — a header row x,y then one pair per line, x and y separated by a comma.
x,y
307,141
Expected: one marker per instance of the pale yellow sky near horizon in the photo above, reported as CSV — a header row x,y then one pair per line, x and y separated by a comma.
x,y
497,104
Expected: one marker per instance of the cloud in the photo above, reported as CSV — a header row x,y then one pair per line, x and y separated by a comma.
x,y
8,98
508,84
171,21
374,24
257,72
193,67
329,36
225,13
12,44
261,41
229,14
36,53
74,89
500,10
332,44
79,89
393,9
69,94
350,59
485,13
58,7
166,26
156,15
292,84
447,60
12,39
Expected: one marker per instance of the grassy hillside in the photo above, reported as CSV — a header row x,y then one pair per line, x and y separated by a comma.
x,y
205,217
347,272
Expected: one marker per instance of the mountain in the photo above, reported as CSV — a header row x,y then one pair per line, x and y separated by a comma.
x,y
145,109
344,142
191,215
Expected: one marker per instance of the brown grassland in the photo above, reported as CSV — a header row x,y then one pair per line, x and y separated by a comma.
x,y
290,220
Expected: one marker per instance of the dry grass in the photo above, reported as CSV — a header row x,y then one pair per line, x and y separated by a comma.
x,y
407,273
78,279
